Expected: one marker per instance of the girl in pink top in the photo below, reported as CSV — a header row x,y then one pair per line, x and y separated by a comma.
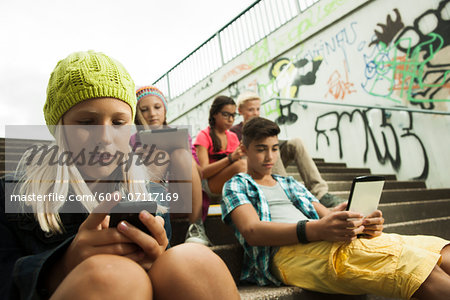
x,y
218,148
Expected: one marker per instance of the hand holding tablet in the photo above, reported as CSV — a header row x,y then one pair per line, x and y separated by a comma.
x,y
365,194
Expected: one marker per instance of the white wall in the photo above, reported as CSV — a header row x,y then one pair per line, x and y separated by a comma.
x,y
377,53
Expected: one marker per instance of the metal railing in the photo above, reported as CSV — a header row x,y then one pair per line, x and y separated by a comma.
x,y
249,27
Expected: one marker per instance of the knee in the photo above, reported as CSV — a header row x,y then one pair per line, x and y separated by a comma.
x,y
113,274
179,155
296,145
181,161
174,270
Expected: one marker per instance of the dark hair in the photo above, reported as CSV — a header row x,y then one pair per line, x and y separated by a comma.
x,y
258,128
217,105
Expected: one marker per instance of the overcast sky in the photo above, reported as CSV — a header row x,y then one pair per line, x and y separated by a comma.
x,y
147,37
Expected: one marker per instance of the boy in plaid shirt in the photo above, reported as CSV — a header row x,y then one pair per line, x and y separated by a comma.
x,y
289,237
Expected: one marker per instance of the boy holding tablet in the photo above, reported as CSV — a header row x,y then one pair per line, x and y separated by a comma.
x,y
289,237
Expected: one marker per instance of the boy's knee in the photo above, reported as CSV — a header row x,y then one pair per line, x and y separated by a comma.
x,y
297,144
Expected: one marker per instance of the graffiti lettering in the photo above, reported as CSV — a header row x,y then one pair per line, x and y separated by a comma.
x,y
331,123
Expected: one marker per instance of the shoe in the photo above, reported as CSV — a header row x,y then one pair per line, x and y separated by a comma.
x,y
329,200
196,234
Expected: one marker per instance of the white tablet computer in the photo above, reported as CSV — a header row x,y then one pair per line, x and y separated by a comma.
x,y
365,194
167,139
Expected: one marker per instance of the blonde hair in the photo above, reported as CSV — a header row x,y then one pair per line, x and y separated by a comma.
x,y
246,96
43,178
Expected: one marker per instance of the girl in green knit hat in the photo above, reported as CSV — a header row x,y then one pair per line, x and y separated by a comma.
x,y
47,253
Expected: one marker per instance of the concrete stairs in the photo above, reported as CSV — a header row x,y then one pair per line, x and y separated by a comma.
x,y
408,208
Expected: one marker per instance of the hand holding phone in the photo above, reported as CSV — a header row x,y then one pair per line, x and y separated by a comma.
x,y
129,211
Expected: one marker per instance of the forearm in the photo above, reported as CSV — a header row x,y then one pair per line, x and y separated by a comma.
x,y
212,169
321,210
271,234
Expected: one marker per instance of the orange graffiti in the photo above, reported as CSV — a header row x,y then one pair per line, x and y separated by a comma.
x,y
236,71
339,87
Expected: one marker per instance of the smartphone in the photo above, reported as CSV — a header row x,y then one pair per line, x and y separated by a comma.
x,y
129,211
365,194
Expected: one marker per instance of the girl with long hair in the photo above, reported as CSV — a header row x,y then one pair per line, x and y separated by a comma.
x,y
65,249
218,148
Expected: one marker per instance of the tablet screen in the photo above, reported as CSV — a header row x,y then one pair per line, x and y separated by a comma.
x,y
166,139
365,194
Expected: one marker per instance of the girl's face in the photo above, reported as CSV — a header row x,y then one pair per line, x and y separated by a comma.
x,y
101,144
225,117
152,110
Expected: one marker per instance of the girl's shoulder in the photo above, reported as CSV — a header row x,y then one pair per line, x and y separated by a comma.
x,y
203,137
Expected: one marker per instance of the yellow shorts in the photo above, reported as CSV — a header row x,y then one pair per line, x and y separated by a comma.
x,y
390,265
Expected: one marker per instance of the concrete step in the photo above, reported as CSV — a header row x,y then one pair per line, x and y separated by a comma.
x,y
15,156
431,226
21,141
415,210
341,170
405,195
253,292
10,165
346,176
293,168
388,185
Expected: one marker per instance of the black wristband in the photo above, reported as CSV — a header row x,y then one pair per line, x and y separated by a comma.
x,y
230,159
301,231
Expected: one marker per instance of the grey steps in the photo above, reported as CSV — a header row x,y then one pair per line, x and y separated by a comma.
x,y
250,292
405,195
10,156
431,226
293,168
342,170
347,176
388,185
415,210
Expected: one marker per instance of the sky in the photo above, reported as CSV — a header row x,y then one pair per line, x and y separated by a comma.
x,y
147,36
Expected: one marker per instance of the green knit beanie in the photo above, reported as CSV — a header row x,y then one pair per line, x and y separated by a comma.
x,y
86,75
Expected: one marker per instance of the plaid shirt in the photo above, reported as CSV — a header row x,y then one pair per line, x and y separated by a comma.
x,y
242,189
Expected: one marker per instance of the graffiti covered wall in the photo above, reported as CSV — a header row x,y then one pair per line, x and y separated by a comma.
x,y
383,53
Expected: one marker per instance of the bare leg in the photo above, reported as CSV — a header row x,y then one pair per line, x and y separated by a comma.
x,y
196,194
192,271
105,277
436,286
217,181
445,264
181,176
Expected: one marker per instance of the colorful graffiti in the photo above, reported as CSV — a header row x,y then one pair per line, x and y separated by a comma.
x,y
379,137
338,85
415,65
286,76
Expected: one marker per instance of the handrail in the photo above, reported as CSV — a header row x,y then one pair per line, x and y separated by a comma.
x,y
396,108
209,39
229,42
